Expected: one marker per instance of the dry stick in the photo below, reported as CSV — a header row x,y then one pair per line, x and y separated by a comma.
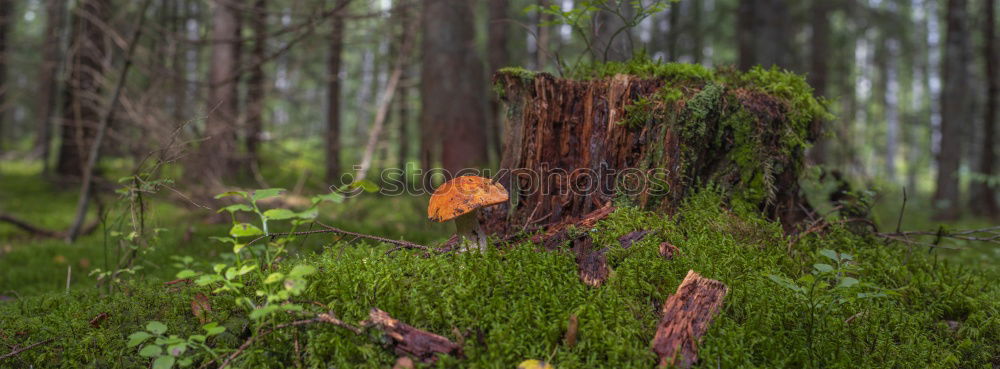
x,y
383,111
26,348
28,227
88,171
329,229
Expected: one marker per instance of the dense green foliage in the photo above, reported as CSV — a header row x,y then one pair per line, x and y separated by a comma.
x,y
512,304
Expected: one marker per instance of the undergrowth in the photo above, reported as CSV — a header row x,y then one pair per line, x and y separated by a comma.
x,y
504,306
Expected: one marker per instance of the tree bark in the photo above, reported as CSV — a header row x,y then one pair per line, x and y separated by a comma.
x,y
6,20
498,56
984,197
686,317
255,82
954,107
568,149
333,168
453,85
762,34
217,154
543,31
83,87
818,66
48,88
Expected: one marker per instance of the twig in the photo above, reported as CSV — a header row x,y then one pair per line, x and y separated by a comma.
x,y
329,229
15,352
319,318
28,227
88,169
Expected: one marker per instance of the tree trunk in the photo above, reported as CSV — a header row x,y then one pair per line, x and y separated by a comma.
x,y
255,83
54,11
453,86
498,55
333,169
83,87
5,21
611,38
543,32
572,146
762,34
984,197
819,50
216,159
954,105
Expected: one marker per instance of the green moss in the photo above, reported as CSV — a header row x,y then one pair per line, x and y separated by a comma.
x,y
510,305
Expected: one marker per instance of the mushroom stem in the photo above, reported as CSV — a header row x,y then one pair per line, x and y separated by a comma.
x,y
467,228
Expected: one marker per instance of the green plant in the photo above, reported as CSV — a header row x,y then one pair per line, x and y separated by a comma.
x,y
826,288
167,351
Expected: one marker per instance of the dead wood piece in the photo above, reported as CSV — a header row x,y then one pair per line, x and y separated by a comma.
x,y
560,232
592,264
686,316
632,237
668,250
571,331
412,341
39,231
18,350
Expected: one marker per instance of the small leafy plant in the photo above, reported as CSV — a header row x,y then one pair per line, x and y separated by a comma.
x,y
167,351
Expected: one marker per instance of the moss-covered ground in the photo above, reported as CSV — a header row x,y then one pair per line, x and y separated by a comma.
x,y
508,305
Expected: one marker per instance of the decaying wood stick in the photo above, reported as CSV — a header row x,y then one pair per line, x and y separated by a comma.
x,y
686,316
592,264
25,348
39,231
412,341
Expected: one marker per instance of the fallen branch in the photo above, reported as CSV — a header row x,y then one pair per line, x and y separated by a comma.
x,y
329,229
686,316
17,351
319,318
39,231
412,341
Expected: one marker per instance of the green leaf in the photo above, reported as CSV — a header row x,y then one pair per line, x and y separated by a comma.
x,y
199,338
231,193
245,230
177,349
830,254
785,282
847,282
156,327
223,239
247,269
308,214
823,268
366,185
184,362
150,351
274,278
262,312
236,207
213,328
266,193
138,337
163,362
237,247
302,271
331,197
185,274
280,214
207,279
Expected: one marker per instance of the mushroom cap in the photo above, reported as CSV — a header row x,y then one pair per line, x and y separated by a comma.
x,y
462,195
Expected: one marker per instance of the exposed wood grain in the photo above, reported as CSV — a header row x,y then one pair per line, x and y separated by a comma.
x,y
686,316
408,340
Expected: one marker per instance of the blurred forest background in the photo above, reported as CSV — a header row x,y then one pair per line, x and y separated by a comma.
x,y
299,92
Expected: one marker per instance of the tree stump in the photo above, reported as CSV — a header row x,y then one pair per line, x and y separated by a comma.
x,y
571,146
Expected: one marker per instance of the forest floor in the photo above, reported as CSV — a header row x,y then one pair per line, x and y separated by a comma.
x,y
882,305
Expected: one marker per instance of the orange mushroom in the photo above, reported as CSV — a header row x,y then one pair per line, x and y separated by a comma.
x,y
460,199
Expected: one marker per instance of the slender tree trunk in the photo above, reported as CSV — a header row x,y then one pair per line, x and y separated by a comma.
x,y
697,32
54,12
891,109
819,68
453,85
984,197
402,101
333,168
498,55
83,87
217,153
6,20
763,34
611,38
255,83
543,31
954,98
674,32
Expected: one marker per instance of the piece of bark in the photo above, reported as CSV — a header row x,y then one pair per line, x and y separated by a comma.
x,y
592,264
412,341
685,318
632,237
668,250
558,233
571,331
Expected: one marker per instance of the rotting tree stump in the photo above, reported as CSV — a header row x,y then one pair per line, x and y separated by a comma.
x,y
571,146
